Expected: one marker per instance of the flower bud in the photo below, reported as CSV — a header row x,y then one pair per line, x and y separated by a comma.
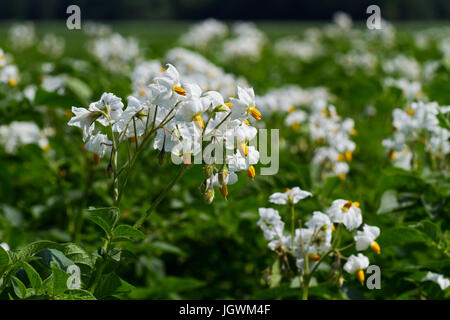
x,y
208,171
224,191
224,175
209,195
162,157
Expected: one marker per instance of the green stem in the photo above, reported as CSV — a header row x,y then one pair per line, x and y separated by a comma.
x,y
292,226
161,196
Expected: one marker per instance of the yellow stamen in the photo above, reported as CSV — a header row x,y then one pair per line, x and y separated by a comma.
x,y
348,155
163,69
354,132
255,113
287,190
251,172
47,148
333,227
325,112
142,93
199,122
347,206
12,82
314,257
360,276
341,157
224,191
295,126
228,104
391,154
410,112
341,176
376,247
179,90
291,109
243,148
356,204
246,122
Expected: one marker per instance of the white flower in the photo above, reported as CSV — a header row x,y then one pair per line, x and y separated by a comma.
x,y
99,144
84,120
244,106
167,89
346,212
443,282
5,246
367,237
272,226
291,196
356,264
109,104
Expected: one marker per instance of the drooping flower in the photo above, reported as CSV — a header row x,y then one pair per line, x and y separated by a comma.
x,y
99,144
367,237
356,265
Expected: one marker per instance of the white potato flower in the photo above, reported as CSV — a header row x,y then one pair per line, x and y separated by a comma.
x,y
99,144
346,212
291,196
443,282
356,265
367,237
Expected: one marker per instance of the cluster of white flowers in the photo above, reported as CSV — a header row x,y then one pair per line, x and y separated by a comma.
x,y
143,73
19,133
357,60
196,68
8,72
115,52
201,34
96,29
316,239
184,118
22,35
52,45
418,122
325,126
305,50
410,89
404,66
248,42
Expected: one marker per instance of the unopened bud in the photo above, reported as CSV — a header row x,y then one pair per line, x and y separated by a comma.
x,y
224,175
209,195
224,191
162,157
208,170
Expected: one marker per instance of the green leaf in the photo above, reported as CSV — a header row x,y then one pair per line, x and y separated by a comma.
x,y
128,232
275,277
4,260
52,255
444,120
105,218
166,247
80,89
392,201
33,276
401,235
59,280
111,284
78,294
19,288
431,230
70,250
